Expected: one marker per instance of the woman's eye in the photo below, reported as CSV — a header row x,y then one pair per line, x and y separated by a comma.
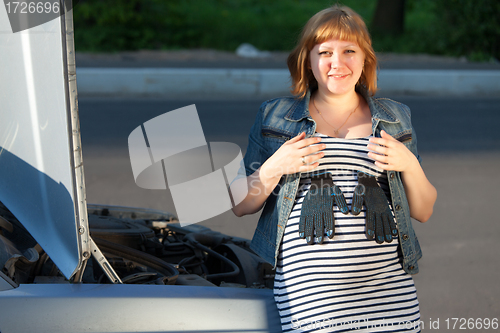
x,y
350,51
325,53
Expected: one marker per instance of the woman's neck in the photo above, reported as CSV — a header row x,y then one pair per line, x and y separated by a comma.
x,y
338,103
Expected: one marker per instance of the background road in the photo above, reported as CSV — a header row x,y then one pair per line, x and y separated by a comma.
x,y
457,139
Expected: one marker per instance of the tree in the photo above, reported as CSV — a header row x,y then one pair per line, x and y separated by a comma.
x,y
389,17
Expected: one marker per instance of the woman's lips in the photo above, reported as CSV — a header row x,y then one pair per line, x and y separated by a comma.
x,y
338,76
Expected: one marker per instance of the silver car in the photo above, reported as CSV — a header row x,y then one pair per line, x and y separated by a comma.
x,y
71,267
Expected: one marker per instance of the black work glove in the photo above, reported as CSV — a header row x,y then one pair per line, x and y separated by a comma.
x,y
379,223
317,209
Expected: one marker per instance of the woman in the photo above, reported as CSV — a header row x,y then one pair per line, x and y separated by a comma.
x,y
339,278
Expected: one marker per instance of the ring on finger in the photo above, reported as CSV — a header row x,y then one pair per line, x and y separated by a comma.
x,y
303,160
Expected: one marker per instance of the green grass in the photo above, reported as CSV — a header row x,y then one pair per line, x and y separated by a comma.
x,y
116,25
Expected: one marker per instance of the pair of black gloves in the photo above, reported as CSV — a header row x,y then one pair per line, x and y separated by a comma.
x,y
317,209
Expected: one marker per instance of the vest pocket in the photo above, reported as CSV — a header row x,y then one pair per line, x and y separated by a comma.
x,y
404,137
275,134
274,139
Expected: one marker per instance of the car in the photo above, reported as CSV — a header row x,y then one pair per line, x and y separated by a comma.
x,y
69,266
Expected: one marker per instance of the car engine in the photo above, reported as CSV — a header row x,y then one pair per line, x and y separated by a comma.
x,y
143,247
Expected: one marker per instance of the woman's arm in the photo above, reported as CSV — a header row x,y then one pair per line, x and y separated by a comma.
x,y
393,155
286,160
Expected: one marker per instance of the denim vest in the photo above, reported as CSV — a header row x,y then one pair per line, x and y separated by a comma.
x,y
283,118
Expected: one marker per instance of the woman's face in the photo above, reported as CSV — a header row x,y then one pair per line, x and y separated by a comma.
x,y
337,66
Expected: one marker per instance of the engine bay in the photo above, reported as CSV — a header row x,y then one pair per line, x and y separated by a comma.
x,y
143,247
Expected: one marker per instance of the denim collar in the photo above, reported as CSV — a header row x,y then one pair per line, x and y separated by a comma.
x,y
300,108
377,109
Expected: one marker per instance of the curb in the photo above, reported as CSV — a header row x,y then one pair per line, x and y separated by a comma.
x,y
441,82
191,82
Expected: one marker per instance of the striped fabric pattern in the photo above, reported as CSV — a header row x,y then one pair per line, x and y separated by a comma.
x,y
348,283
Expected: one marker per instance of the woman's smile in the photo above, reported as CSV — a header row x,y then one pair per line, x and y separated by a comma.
x,y
338,76
337,66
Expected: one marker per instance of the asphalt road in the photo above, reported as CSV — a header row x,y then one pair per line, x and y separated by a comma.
x,y
460,146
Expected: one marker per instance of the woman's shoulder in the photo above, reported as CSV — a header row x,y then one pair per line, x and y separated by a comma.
x,y
280,106
391,103
396,108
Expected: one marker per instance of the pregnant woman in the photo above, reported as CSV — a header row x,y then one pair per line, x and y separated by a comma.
x,y
338,175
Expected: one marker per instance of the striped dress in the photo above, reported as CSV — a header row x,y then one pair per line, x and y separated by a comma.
x,y
348,283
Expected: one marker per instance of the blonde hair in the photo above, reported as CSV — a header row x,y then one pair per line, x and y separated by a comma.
x,y
336,22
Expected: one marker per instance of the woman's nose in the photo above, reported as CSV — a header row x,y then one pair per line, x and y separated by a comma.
x,y
335,60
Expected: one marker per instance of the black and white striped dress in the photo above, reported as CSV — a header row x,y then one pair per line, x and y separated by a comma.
x,y
348,283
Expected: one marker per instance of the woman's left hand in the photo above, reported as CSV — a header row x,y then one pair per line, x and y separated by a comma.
x,y
390,154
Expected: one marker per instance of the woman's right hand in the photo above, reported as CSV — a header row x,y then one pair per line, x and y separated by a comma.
x,y
299,154
286,160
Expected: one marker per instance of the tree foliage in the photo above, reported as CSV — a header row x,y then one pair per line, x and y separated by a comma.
x,y
452,27
470,28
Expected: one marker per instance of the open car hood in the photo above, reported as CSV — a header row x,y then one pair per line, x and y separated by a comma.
x,y
41,175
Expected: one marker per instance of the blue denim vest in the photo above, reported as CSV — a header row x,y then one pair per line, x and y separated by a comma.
x,y
283,118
